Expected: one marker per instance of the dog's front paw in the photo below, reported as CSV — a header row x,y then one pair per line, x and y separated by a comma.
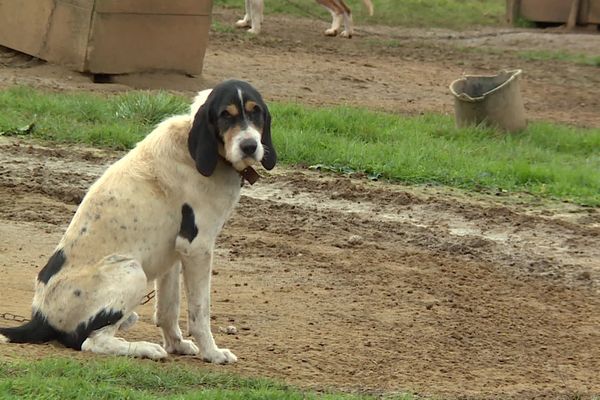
x,y
220,356
331,32
346,34
183,347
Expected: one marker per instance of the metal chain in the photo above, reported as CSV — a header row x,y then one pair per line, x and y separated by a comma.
x,y
148,297
18,318
13,317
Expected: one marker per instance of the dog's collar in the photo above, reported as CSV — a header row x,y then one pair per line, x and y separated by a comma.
x,y
248,174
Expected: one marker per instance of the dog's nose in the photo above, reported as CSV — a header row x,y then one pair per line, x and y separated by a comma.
x,y
248,146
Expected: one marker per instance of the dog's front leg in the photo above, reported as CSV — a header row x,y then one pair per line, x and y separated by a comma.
x,y
168,294
197,274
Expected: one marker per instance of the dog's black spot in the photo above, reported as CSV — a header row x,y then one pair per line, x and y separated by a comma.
x,y
37,330
54,265
76,338
83,230
97,217
77,293
123,227
188,229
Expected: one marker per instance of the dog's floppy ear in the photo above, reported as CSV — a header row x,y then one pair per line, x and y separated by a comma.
x,y
202,142
270,157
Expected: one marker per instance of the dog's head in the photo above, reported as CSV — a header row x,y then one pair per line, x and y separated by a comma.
x,y
234,122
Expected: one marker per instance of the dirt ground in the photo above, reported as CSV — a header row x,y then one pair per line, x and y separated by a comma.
x,y
338,282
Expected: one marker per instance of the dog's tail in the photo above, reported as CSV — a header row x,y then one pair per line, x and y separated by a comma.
x,y
369,6
38,330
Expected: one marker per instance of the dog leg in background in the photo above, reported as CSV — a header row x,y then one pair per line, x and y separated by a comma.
x,y
166,317
253,16
244,22
120,282
257,7
348,26
344,12
197,267
336,17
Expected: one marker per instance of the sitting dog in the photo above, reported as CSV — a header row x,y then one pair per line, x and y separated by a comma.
x,y
338,9
153,214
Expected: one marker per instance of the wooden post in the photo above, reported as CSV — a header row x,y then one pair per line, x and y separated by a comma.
x,y
512,11
573,14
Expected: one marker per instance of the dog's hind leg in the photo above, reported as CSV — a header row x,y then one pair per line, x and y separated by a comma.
x,y
103,341
115,287
168,295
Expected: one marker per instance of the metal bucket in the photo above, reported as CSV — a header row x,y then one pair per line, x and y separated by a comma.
x,y
489,100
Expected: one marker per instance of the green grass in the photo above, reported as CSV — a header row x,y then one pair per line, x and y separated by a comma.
x,y
123,378
454,14
546,160
117,122
221,27
543,55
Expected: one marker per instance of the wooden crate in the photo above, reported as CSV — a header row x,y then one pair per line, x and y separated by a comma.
x,y
555,11
110,36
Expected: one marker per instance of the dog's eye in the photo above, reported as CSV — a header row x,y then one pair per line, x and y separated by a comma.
x,y
255,110
225,114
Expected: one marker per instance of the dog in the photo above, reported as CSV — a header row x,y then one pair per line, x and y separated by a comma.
x,y
152,216
338,8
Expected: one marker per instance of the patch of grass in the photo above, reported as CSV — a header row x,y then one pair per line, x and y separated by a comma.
x,y
148,108
545,55
548,160
537,55
118,121
221,28
454,14
123,378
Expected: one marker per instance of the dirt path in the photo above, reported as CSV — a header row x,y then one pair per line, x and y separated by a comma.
x,y
360,286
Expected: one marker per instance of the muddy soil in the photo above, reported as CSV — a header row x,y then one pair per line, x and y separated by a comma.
x,y
338,282
341,283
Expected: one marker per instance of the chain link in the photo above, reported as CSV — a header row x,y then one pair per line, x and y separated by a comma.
x,y
18,318
13,317
148,297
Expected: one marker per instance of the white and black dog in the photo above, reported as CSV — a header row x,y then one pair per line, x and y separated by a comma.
x,y
153,214
340,12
